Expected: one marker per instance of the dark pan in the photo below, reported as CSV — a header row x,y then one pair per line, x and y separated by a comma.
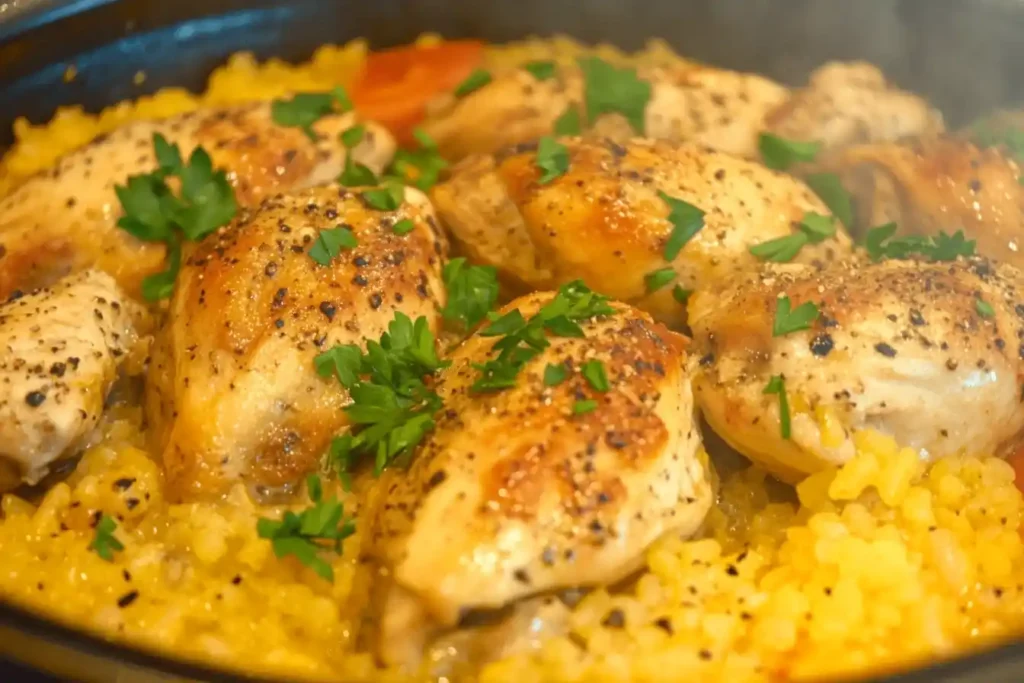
x,y
964,55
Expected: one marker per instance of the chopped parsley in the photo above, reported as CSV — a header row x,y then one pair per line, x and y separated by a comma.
x,y
403,227
657,279
882,242
831,191
789,319
541,70
392,408
686,220
522,339
593,372
582,407
812,229
569,122
608,89
680,294
419,167
356,174
152,212
305,109
984,308
105,543
777,385
472,292
386,198
350,137
552,159
320,527
780,153
474,81
555,374
330,242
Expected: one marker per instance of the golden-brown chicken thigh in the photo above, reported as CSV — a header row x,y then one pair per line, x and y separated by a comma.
x,y
65,220
605,222
722,109
927,353
517,493
60,350
233,393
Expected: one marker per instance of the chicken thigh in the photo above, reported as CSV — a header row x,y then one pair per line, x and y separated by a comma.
x,y
606,222
233,393
60,349
521,491
927,353
65,220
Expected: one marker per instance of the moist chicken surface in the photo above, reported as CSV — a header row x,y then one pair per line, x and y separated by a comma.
x,y
233,394
60,349
851,102
938,184
604,221
719,108
928,353
65,220
513,494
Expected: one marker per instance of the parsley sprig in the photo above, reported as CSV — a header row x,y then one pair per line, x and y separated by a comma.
x,y
686,220
320,527
830,190
552,159
305,109
354,173
105,543
788,319
153,213
392,406
777,385
882,242
779,153
610,89
522,339
419,167
472,293
330,242
812,229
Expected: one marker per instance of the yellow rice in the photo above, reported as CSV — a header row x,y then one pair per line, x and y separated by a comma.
x,y
880,565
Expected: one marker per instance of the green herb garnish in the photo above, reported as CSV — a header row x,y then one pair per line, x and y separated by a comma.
x,y
105,543
541,70
355,174
882,242
583,407
419,167
780,153
686,220
403,227
831,191
330,242
152,212
812,229
476,80
984,308
657,279
609,89
555,374
305,109
472,292
387,198
320,527
793,319
680,294
350,137
777,385
593,372
569,122
552,159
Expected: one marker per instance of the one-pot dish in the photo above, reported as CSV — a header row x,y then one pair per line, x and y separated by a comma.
x,y
521,362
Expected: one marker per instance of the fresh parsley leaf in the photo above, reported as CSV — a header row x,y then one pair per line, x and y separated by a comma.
x,y
305,109
386,198
105,543
593,372
552,159
419,167
474,81
555,374
984,308
403,227
792,320
207,200
777,385
541,70
686,220
330,242
947,247
350,137
831,191
780,153
320,527
561,326
161,285
583,407
610,89
680,294
817,227
780,249
882,242
510,323
875,239
355,174
343,361
569,122
657,279
472,292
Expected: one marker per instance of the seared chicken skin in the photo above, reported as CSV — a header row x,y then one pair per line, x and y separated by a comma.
x,y
65,220
722,109
851,102
233,391
928,353
513,494
938,184
604,221
60,349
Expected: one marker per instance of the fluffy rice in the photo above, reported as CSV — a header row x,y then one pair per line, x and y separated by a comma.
x,y
880,565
